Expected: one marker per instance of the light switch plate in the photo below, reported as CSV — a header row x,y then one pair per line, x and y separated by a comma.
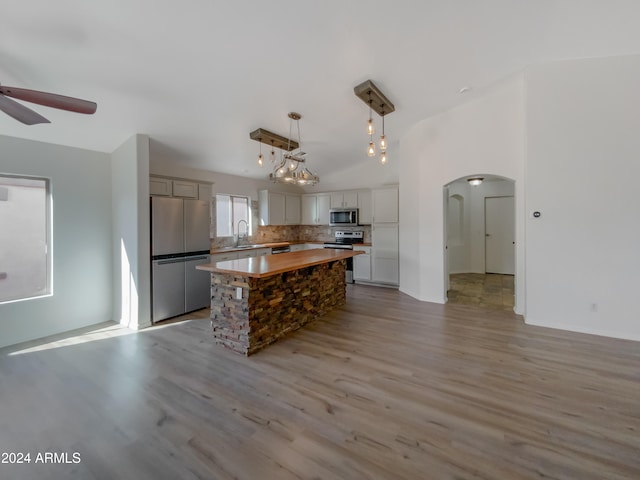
x,y
238,293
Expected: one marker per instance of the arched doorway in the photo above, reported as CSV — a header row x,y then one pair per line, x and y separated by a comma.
x,y
479,239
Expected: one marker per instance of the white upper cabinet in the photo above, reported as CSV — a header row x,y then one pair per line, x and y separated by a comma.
x,y
315,209
185,189
160,186
172,187
279,208
204,192
322,208
365,212
292,209
271,208
309,209
385,205
344,200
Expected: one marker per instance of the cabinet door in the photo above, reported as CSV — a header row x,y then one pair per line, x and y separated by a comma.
x,y
362,265
364,207
385,205
322,209
185,189
204,192
336,200
292,209
350,199
160,186
276,209
384,254
309,210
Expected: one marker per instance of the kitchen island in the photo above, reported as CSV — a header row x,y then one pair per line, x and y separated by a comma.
x,y
257,300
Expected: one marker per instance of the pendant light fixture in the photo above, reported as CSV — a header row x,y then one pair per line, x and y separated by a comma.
x,y
372,96
291,166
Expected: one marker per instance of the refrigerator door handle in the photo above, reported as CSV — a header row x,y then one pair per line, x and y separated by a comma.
x,y
201,257
171,260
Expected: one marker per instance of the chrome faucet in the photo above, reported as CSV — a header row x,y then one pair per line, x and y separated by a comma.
x,y
246,231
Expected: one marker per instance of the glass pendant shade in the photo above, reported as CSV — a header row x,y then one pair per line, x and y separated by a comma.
x,y
371,151
383,143
260,160
383,158
370,129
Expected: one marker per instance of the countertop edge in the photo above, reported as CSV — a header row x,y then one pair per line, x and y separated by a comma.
x,y
242,266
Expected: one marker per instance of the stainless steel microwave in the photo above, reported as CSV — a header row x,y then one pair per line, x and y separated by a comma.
x,y
343,217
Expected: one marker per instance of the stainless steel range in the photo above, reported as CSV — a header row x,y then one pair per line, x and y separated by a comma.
x,y
345,240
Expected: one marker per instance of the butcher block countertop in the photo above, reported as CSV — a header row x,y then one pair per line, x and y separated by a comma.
x,y
267,265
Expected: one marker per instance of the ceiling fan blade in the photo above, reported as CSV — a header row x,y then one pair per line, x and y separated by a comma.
x,y
50,100
20,112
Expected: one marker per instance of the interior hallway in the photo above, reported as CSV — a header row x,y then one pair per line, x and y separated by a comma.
x,y
482,289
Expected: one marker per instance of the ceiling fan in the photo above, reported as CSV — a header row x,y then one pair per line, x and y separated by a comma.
x,y
28,116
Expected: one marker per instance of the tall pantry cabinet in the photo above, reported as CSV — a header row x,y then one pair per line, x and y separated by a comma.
x,y
384,236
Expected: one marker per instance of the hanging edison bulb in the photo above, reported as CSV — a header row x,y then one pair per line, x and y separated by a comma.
x,y
260,158
371,150
383,158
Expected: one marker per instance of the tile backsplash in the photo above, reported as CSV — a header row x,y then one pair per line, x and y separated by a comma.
x,y
292,233
287,233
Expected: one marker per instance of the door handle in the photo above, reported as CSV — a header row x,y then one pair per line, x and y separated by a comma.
x,y
487,234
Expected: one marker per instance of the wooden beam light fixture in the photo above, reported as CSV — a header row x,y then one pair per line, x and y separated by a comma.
x,y
370,94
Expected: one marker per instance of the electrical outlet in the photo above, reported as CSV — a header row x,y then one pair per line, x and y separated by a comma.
x,y
238,293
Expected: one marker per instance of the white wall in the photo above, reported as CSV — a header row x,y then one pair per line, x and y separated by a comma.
x,y
363,173
583,165
484,136
131,237
81,202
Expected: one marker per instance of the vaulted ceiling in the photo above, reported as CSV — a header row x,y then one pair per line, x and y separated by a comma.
x,y
198,75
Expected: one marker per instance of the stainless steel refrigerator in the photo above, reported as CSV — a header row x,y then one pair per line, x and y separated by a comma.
x,y
179,242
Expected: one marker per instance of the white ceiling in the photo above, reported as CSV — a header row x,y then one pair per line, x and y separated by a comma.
x,y
198,75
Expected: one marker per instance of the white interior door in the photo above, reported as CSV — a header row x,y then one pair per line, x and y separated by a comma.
x,y
499,221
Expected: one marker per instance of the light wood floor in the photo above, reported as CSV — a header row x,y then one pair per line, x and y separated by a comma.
x,y
384,388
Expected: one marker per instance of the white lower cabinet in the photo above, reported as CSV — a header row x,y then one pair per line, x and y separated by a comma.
x,y
384,254
362,265
296,247
221,257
